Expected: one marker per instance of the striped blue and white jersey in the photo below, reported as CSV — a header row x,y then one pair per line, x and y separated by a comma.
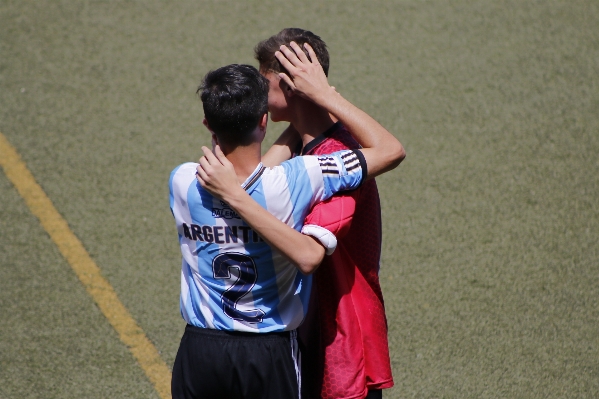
x,y
230,278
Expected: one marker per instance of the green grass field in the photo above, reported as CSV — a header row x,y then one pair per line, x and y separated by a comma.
x,y
490,265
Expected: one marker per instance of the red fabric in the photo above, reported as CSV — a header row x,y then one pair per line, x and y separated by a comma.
x,y
344,337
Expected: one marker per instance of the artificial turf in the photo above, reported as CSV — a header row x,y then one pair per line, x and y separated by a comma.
x,y
491,224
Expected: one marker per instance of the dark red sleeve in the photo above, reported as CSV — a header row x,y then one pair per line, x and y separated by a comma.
x,y
334,214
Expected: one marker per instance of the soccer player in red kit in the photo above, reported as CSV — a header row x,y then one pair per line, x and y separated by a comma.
x,y
345,353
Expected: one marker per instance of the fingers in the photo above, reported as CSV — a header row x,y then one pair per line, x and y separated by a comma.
x,y
297,56
284,61
201,176
303,70
312,54
287,80
209,156
204,167
299,53
204,163
291,55
220,155
210,165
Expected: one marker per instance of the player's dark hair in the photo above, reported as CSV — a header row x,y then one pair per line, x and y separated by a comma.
x,y
234,98
265,50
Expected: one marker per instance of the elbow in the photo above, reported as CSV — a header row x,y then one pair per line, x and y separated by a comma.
x,y
400,154
395,155
308,269
309,263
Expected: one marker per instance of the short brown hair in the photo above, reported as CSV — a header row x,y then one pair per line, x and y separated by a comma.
x,y
265,50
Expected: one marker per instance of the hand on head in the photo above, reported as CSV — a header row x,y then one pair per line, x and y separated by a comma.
x,y
306,76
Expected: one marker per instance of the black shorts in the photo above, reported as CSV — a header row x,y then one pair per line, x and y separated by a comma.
x,y
215,364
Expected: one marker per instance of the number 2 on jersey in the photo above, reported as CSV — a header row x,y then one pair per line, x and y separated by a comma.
x,y
221,267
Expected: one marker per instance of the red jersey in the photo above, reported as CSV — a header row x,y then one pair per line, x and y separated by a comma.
x,y
344,336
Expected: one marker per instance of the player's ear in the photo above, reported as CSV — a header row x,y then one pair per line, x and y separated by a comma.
x,y
205,122
286,89
289,91
260,131
263,122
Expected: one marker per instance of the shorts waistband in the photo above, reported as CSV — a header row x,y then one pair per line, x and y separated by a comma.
x,y
211,332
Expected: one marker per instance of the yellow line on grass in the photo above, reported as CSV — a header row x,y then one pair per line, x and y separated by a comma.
x,y
86,269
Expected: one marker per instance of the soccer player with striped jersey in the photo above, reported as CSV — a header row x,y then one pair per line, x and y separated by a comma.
x,y
241,297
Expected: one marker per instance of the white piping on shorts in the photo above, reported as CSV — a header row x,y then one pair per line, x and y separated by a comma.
x,y
297,359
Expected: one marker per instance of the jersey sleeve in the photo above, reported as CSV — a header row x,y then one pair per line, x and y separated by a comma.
x,y
335,214
331,219
341,171
307,180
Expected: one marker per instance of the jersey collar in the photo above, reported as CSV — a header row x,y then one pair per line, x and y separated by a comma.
x,y
312,144
253,178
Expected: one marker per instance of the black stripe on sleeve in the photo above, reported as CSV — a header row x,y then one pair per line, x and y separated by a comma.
x,y
362,164
328,165
356,165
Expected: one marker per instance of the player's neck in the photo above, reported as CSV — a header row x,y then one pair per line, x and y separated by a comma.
x,y
245,160
311,121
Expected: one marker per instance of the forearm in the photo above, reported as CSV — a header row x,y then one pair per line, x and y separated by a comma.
x,y
381,149
283,148
216,174
302,250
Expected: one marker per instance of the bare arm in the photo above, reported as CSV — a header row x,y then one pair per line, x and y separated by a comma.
x,y
381,149
217,175
283,148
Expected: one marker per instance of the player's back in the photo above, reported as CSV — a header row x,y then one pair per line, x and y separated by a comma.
x,y
231,279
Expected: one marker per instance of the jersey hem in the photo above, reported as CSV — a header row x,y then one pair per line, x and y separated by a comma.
x,y
358,396
381,385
